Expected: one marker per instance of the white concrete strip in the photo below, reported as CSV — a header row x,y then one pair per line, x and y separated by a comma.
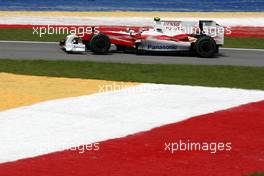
x,y
53,125
124,21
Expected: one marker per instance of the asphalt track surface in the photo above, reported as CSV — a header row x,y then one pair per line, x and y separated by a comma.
x,y
51,51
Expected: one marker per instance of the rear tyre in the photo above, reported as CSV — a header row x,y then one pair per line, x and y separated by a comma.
x,y
205,46
100,44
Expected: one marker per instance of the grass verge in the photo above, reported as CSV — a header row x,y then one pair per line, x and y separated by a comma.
x,y
252,43
26,34
258,174
214,76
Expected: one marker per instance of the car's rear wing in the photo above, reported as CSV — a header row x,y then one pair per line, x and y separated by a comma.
x,y
201,27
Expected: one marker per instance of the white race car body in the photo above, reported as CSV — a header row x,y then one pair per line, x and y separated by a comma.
x,y
73,44
165,36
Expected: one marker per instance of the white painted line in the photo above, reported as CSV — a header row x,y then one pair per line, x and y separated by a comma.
x,y
27,42
242,49
125,21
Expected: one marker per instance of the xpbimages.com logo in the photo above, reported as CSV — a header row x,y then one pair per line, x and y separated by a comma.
x,y
60,30
188,146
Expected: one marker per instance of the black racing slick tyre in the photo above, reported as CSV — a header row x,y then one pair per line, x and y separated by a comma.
x,y
205,46
100,44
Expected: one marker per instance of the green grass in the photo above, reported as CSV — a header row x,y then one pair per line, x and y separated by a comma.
x,y
215,76
27,35
254,43
258,174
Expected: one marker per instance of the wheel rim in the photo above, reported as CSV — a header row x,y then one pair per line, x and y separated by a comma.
x,y
100,43
206,46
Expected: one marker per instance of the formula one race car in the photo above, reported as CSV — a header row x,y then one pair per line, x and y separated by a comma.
x,y
202,38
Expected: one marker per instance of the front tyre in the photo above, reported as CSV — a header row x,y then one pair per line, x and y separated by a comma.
x,y
205,46
87,44
100,44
